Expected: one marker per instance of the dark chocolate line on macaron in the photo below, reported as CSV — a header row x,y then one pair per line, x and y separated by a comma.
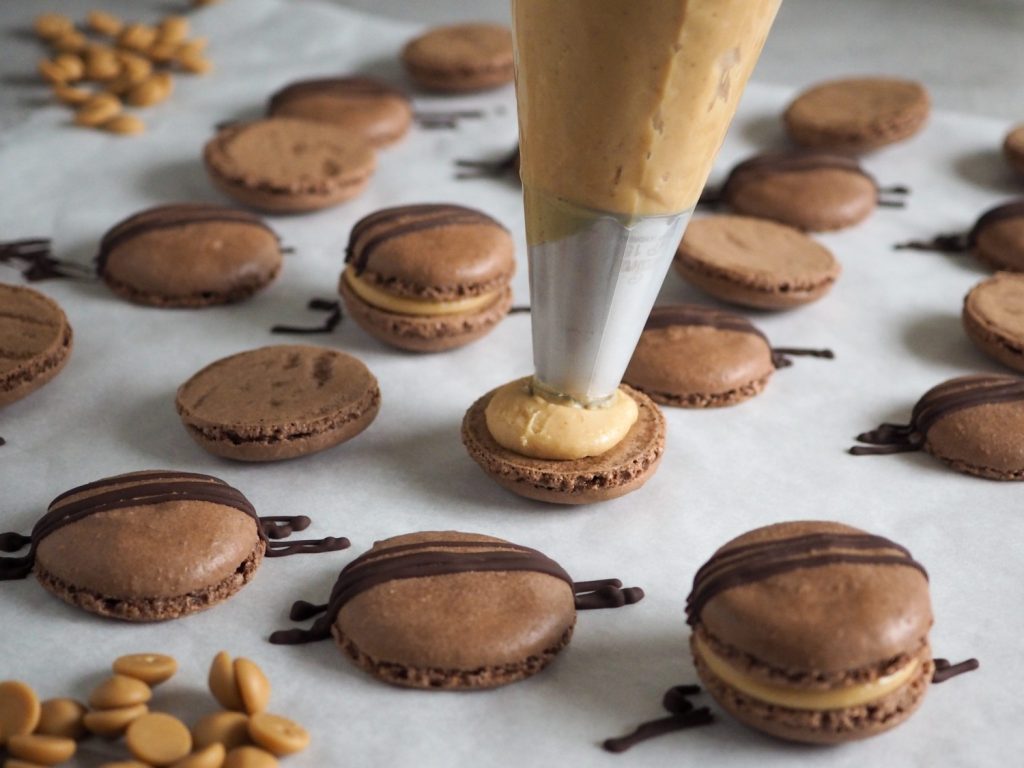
x,y
944,670
428,559
946,398
356,85
683,716
960,242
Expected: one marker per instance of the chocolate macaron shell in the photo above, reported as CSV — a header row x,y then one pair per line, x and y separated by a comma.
x,y
621,470
1013,148
755,262
986,440
461,58
35,341
189,255
373,109
285,165
993,317
455,630
278,402
812,191
690,356
997,238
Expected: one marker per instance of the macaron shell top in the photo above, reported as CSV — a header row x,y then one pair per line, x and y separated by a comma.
x,y
35,341
997,238
986,440
463,57
993,316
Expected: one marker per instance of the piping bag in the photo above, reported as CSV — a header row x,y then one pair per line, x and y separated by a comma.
x,y
623,105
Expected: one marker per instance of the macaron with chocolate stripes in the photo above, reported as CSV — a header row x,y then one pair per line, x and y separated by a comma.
x,y
974,424
460,58
996,239
813,632
993,317
152,545
691,356
452,611
428,278
286,165
35,341
371,108
755,262
189,255
278,402
857,114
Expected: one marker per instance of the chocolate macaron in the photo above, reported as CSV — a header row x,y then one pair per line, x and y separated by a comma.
x,y
278,402
459,58
691,356
35,341
428,278
996,239
810,190
375,110
993,317
813,631
755,262
189,255
452,611
974,424
857,114
1013,148
285,165
152,545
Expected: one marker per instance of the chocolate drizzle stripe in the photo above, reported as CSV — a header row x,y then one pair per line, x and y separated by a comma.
x,y
1012,210
797,162
134,477
375,555
690,315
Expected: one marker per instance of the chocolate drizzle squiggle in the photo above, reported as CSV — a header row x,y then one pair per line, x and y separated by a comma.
x,y
478,169
149,488
331,321
434,120
36,262
436,558
961,242
944,670
751,563
949,397
683,715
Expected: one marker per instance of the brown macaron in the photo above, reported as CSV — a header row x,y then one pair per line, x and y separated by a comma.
x,y
452,611
858,114
993,316
189,255
285,165
974,424
370,108
996,239
621,470
1013,148
462,57
152,545
428,278
755,262
809,190
278,402
691,356
813,632
35,341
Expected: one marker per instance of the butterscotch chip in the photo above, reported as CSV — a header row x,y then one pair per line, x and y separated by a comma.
x,y
152,90
253,686
191,47
195,64
136,37
44,750
150,668
52,72
173,29
19,709
158,739
62,717
98,110
119,691
111,723
135,66
101,64
70,95
249,757
50,26
72,64
210,757
278,735
70,42
231,729
222,682
161,52
103,23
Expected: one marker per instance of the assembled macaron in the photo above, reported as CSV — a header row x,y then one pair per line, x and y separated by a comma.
x,y
278,402
460,58
428,278
152,545
974,424
993,317
189,255
35,341
452,611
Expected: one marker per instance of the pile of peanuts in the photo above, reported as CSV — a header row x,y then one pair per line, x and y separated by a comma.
x,y
242,735
128,63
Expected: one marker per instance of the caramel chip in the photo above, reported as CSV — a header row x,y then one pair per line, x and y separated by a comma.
x,y
161,52
195,63
72,64
228,728
71,95
119,691
152,90
249,757
158,739
136,37
96,111
222,682
173,29
43,750
150,668
278,735
70,42
103,23
101,64
253,686
52,72
62,717
210,757
111,723
192,47
19,709
50,26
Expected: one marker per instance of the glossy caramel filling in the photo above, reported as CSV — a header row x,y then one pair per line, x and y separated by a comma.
x,y
422,307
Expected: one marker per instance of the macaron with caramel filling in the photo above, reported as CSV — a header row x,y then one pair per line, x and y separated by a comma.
x,y
813,632
428,278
